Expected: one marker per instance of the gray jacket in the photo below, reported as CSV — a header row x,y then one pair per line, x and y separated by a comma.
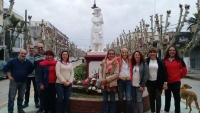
x,y
144,72
31,59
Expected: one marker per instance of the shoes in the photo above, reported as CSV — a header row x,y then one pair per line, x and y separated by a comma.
x,y
25,105
37,105
39,111
21,111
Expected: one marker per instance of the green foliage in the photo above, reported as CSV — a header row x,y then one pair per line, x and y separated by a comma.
x,y
164,47
14,21
182,50
80,72
16,27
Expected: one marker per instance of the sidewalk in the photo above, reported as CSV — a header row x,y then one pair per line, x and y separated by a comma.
x,y
193,74
32,109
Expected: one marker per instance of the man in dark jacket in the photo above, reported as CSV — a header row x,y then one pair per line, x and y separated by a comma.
x,y
38,57
31,77
17,70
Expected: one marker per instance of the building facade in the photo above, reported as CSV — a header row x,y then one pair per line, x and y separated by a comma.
x,y
46,33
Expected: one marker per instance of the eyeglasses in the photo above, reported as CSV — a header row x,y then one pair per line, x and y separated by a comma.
x,y
31,48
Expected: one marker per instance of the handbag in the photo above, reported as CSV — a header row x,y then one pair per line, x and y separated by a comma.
x,y
98,83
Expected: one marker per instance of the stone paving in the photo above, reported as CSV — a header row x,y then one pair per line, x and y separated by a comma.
x,y
32,109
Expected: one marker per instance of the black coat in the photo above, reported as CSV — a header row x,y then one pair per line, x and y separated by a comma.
x,y
161,73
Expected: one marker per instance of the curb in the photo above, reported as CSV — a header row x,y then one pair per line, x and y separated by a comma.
x,y
194,78
6,103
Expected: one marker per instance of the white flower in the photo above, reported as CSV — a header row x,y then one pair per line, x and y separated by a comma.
x,y
98,90
92,75
93,88
93,78
90,88
79,82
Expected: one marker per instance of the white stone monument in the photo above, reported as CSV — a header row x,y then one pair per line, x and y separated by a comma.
x,y
97,31
94,58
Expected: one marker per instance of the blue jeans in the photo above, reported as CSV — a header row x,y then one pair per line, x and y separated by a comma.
x,y
124,86
137,100
63,93
15,87
105,102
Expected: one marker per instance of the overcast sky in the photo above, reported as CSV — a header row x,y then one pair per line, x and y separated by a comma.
x,y
73,17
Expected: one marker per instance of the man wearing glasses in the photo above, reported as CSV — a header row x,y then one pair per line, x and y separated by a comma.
x,y
38,57
31,77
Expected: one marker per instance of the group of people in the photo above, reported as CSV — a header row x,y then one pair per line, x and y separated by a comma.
x,y
50,78
129,75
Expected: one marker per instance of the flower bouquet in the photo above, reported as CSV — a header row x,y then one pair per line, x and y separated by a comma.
x,y
89,84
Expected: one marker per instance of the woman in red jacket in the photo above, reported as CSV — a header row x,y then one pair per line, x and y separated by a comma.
x,y
176,70
46,80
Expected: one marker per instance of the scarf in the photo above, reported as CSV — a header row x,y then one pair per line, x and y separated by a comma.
x,y
48,62
109,65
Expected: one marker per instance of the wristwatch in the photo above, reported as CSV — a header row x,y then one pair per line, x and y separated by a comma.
x,y
165,82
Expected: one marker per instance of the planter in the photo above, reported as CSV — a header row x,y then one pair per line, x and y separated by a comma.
x,y
90,105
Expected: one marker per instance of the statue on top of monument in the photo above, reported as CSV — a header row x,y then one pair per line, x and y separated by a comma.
x,y
97,31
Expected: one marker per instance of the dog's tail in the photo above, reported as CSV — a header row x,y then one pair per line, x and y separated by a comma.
x,y
196,103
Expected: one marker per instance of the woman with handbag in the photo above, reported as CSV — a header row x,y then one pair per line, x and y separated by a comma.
x,y
124,81
139,75
110,71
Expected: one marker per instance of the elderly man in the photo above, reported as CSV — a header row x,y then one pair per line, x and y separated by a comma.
x,y
31,77
17,70
40,56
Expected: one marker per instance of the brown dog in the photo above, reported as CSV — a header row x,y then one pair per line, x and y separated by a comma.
x,y
189,96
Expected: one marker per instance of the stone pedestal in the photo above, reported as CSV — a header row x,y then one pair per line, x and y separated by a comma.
x,y
93,60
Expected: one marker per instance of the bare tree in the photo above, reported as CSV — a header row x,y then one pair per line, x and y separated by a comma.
x,y
196,37
181,21
6,21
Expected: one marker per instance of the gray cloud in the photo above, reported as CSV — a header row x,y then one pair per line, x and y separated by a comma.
x,y
73,17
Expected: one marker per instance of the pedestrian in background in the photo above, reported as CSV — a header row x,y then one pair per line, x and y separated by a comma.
x,y
65,75
157,80
139,77
124,82
38,57
17,70
31,77
110,72
46,81
176,70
